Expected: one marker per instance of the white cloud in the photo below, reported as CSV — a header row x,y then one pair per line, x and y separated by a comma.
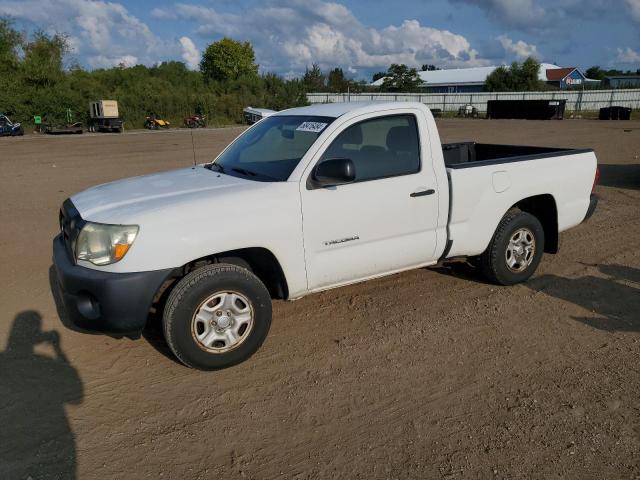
x,y
162,14
105,61
634,6
289,35
627,56
190,53
519,49
102,33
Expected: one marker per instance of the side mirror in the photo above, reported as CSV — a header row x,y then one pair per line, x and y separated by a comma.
x,y
334,171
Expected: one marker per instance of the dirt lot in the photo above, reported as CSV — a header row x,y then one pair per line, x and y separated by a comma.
x,y
427,374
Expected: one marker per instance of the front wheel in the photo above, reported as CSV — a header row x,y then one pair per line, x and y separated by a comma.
x,y
515,250
217,316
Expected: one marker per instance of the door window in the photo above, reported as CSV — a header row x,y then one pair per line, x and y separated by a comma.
x,y
379,148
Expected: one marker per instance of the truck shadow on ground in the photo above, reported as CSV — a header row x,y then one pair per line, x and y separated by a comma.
x,y
36,440
460,269
621,176
154,335
614,301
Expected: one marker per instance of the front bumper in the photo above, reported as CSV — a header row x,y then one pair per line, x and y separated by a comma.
x,y
105,301
593,203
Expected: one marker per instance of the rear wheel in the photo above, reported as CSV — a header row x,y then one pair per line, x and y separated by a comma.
x,y
515,250
217,316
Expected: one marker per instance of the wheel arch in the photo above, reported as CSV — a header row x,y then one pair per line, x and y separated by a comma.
x,y
545,209
261,261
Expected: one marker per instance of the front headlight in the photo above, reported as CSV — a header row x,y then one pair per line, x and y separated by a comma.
x,y
103,244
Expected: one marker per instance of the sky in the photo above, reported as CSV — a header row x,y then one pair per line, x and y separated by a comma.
x,y
360,36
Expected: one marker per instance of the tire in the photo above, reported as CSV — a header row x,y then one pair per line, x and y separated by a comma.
x,y
208,308
505,263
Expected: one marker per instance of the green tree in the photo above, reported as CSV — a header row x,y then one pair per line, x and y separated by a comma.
x,y
428,68
280,93
228,60
401,78
314,80
519,77
378,76
595,73
43,59
10,42
499,80
336,81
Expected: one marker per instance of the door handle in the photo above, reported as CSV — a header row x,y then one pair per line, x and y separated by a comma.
x,y
423,193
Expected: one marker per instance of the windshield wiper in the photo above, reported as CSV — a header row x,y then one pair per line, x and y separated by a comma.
x,y
249,173
244,172
215,167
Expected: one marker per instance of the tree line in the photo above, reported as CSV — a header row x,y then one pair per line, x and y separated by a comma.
x,y
34,80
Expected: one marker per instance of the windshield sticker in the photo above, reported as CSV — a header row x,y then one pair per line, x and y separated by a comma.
x,y
314,127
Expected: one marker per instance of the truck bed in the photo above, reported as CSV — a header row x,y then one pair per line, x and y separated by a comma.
x,y
485,180
471,154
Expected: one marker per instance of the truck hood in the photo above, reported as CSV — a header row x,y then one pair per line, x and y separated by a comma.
x,y
125,200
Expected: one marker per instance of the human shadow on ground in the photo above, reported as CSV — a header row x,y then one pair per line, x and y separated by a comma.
x,y
36,440
621,176
614,300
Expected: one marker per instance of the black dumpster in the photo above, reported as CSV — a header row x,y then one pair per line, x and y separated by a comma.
x,y
615,113
624,113
526,109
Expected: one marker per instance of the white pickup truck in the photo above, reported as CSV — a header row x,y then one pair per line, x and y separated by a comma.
x,y
307,200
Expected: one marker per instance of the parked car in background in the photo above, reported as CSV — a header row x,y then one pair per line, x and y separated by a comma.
x,y
8,128
304,201
104,117
252,115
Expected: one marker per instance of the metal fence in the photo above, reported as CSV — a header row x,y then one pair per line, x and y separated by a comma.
x,y
577,101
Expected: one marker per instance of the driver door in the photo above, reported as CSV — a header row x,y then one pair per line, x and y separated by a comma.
x,y
386,220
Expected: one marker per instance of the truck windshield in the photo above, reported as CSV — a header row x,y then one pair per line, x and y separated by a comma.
x,y
271,150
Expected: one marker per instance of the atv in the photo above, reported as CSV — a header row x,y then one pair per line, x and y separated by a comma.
x,y
196,121
154,123
8,128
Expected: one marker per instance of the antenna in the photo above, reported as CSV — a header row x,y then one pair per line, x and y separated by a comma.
x,y
193,146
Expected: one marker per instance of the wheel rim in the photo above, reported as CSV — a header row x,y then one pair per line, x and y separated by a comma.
x,y
520,250
222,322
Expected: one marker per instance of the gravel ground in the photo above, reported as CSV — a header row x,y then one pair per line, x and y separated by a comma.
x,y
431,373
